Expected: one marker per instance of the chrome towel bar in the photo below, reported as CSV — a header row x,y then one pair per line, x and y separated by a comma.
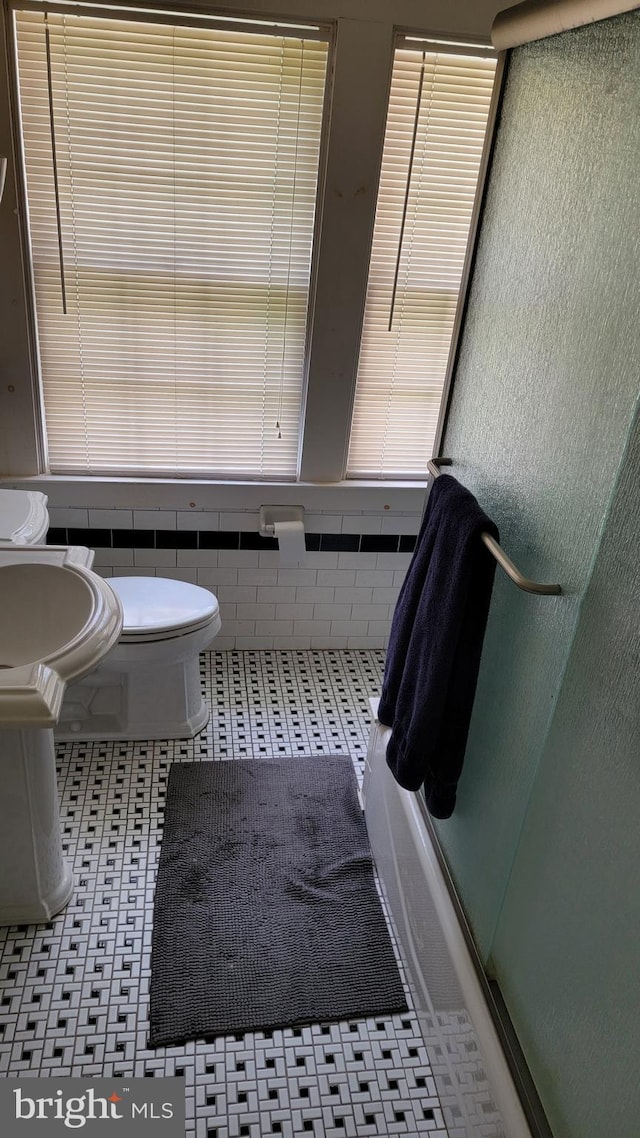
x,y
495,549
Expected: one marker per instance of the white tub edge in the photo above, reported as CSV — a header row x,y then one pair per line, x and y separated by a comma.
x,y
379,779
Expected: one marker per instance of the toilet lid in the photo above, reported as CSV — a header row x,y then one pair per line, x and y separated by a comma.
x,y
158,604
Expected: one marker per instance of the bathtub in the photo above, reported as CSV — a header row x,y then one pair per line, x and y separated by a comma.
x,y
471,1073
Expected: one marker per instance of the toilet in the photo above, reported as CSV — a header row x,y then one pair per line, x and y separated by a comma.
x,y
148,685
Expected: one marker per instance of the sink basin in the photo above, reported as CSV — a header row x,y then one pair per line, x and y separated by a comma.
x,y
24,518
57,621
43,608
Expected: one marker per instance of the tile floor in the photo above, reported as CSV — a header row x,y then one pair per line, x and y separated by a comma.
x,y
74,993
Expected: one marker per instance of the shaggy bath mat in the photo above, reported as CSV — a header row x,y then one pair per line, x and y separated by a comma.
x,y
266,910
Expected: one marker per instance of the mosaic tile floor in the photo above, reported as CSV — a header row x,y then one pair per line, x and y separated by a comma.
x,y
74,993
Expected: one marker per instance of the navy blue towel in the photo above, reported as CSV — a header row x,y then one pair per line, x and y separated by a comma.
x,y
435,646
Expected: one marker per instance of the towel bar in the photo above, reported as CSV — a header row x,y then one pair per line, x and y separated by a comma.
x,y
494,548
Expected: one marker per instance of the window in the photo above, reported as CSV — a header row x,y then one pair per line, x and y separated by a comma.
x,y
436,125
171,174
194,318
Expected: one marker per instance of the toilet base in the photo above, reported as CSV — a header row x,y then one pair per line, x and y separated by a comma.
x,y
148,702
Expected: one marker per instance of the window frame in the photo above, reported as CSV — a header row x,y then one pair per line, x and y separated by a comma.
x,y
351,156
418,44
66,131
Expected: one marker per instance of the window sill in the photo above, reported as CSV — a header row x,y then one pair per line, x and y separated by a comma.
x,y
186,494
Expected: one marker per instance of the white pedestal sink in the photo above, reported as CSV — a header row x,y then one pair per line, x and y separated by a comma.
x,y
35,880
57,621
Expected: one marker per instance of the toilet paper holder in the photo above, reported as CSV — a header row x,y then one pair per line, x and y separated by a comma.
x,y
269,515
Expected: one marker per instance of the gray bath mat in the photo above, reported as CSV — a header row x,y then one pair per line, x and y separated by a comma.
x,y
266,911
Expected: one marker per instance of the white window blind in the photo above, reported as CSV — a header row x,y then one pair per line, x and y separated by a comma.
x,y
436,125
171,174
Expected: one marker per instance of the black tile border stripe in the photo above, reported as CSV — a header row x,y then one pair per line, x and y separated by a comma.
x,y
227,539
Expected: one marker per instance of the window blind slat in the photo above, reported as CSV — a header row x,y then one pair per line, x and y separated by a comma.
x,y
187,164
401,372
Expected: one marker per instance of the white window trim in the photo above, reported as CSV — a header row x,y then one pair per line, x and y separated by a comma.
x,y
353,152
188,494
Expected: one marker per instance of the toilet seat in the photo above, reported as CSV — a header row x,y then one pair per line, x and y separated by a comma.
x,y
159,608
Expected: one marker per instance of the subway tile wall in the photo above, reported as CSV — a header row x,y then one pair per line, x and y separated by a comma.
x,y
343,596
